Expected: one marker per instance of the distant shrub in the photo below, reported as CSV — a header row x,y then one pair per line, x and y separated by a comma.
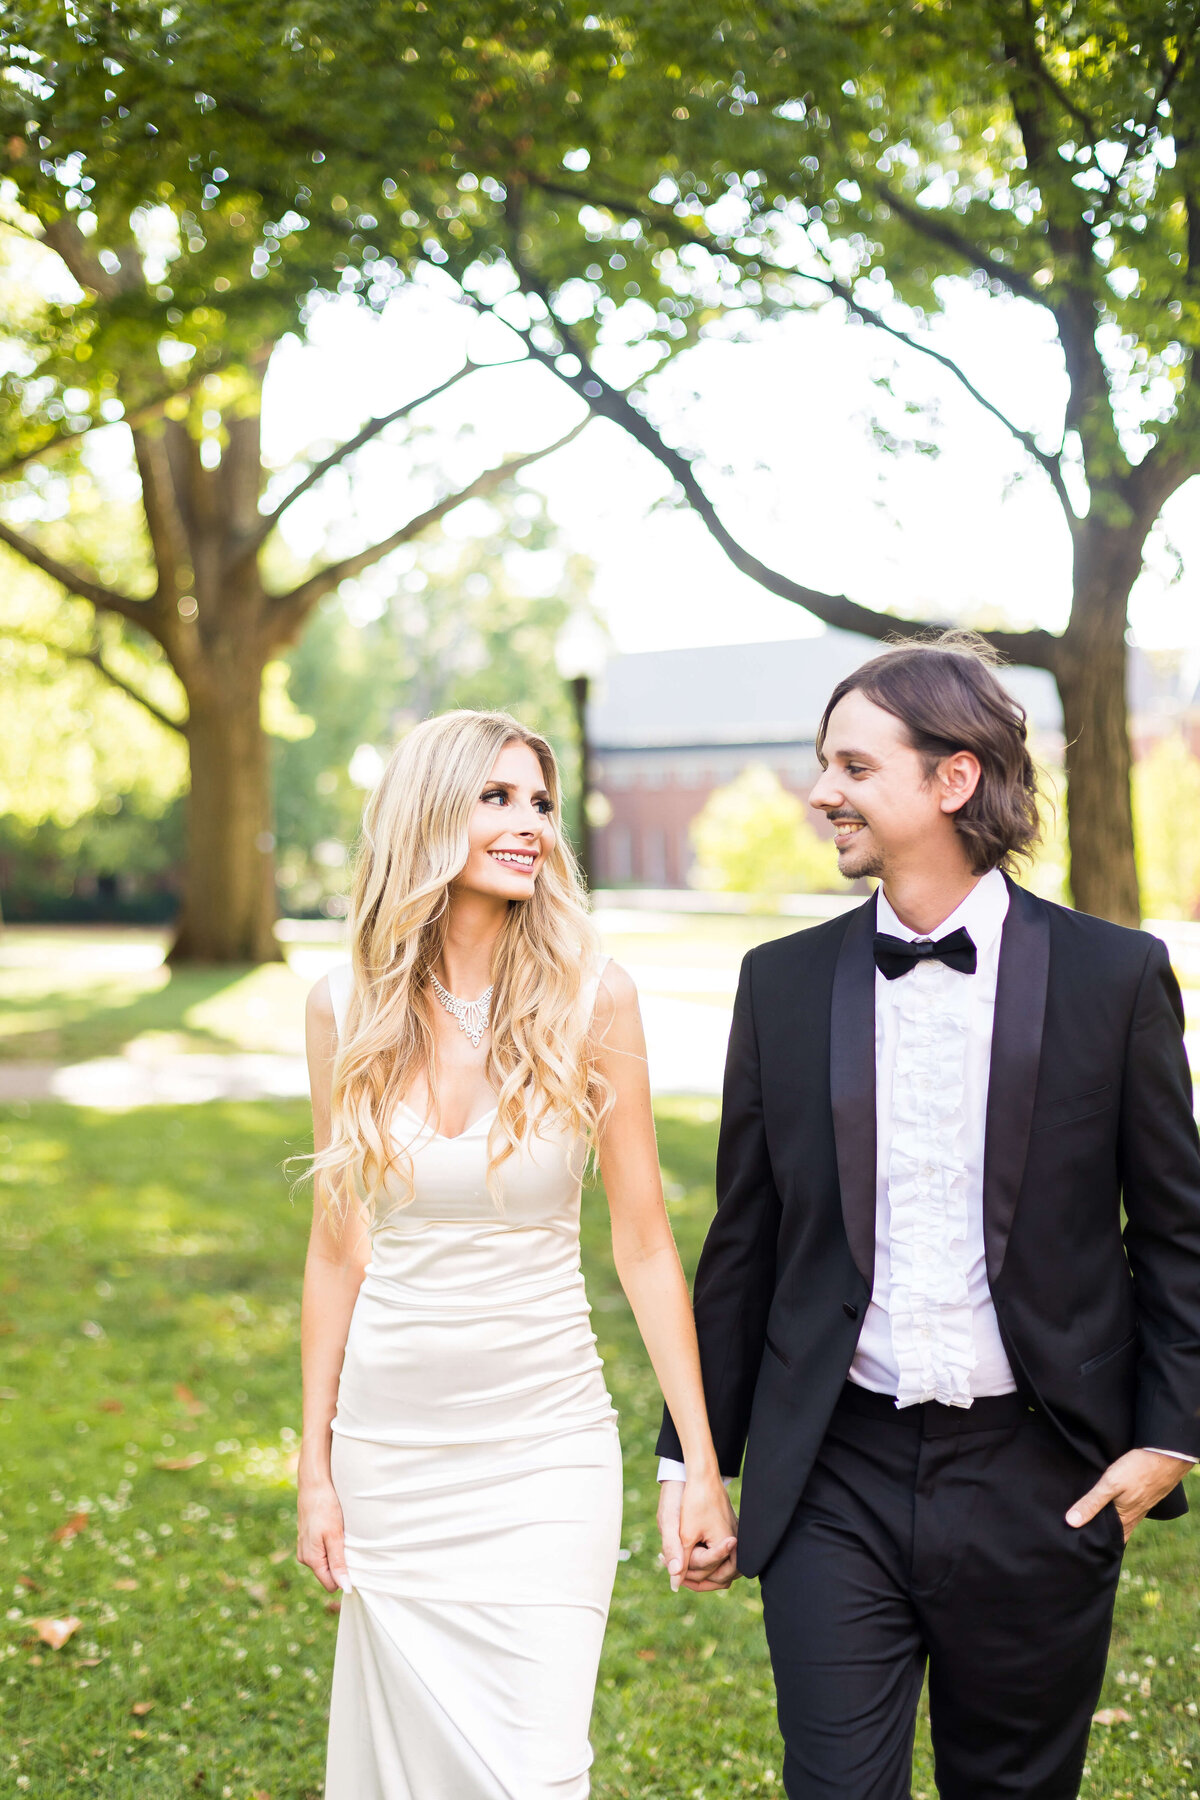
x,y
753,837
1166,829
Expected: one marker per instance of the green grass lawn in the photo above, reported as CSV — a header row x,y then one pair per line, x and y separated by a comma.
x,y
70,992
149,1399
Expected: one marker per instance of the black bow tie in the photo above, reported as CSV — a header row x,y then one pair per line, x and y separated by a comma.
x,y
896,956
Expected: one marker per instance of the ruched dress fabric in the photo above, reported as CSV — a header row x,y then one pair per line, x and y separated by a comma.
x,y
476,1458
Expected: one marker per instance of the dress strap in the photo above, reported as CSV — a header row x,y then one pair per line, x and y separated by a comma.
x,y
341,986
591,987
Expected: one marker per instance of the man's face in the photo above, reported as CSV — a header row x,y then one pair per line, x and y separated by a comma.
x,y
874,790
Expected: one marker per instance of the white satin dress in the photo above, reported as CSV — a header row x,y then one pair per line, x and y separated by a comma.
x,y
476,1458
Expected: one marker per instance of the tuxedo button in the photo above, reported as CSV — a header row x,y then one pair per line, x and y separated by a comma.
x,y
850,1311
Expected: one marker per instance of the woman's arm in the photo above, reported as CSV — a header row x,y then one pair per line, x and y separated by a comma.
x,y
333,1273
647,1263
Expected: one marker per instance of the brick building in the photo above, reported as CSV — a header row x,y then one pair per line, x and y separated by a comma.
x,y
669,726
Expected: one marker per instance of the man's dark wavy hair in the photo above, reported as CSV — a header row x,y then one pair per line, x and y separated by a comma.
x,y
945,693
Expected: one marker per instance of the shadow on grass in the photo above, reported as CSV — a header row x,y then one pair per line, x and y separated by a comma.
x,y
74,1017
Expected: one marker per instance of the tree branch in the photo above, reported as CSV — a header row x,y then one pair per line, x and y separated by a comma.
x,y
934,227
290,609
1051,465
141,415
677,229
1173,69
1035,67
64,237
370,430
1036,648
167,535
139,612
93,656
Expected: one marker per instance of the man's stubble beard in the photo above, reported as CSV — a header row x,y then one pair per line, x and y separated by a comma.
x,y
867,866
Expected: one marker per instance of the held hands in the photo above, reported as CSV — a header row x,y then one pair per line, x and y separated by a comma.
x,y
699,1533
320,1542
1133,1484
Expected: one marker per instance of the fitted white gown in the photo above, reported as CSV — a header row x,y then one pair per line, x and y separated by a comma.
x,y
476,1458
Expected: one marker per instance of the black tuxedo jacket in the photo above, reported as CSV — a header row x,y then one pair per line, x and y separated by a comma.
x,y
1089,1105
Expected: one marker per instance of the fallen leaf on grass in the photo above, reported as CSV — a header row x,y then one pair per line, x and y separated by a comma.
x,y
112,1406
188,1400
27,1582
140,1708
647,1655
126,1585
87,1662
70,1528
334,1607
55,1632
191,1461
1112,1715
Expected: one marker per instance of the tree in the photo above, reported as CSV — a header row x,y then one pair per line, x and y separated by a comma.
x,y
157,304
1050,156
753,837
592,181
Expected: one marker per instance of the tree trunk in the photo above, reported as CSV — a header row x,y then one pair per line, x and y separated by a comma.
x,y
228,911
580,686
1090,669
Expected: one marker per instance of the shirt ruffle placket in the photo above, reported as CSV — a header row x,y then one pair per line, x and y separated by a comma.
x,y
932,1336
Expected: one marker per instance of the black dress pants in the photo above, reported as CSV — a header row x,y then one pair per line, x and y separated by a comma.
x,y
936,1535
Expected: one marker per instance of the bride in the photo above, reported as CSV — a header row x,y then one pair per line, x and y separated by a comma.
x,y
460,1472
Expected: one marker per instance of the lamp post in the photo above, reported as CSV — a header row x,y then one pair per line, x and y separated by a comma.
x,y
581,652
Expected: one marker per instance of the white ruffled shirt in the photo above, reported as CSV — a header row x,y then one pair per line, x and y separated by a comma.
x,y
930,1331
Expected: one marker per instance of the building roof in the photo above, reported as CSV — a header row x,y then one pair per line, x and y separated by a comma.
x,y
751,693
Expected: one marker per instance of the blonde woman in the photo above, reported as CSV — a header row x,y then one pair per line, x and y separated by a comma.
x,y
460,1475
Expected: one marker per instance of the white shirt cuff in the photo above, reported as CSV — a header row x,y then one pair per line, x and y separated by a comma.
x,y
1179,1455
670,1470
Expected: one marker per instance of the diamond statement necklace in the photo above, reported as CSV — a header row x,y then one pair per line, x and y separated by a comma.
x,y
472,1015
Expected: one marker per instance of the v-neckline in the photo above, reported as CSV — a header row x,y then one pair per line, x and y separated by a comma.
x,y
444,1136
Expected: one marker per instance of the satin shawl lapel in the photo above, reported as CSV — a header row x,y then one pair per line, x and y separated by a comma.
x,y
852,1084
1016,1054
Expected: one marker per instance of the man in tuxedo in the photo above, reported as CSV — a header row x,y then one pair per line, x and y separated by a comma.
x,y
958,1384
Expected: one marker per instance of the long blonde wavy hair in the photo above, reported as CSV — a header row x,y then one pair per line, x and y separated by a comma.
x,y
540,1061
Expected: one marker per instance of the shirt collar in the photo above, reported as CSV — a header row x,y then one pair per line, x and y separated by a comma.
x,y
982,913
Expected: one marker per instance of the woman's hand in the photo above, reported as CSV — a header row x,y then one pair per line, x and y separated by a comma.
x,y
320,1538
699,1531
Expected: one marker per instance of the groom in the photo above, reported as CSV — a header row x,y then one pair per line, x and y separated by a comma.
x,y
958,1383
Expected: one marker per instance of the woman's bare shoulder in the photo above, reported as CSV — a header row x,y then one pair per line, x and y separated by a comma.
x,y
618,984
318,1009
